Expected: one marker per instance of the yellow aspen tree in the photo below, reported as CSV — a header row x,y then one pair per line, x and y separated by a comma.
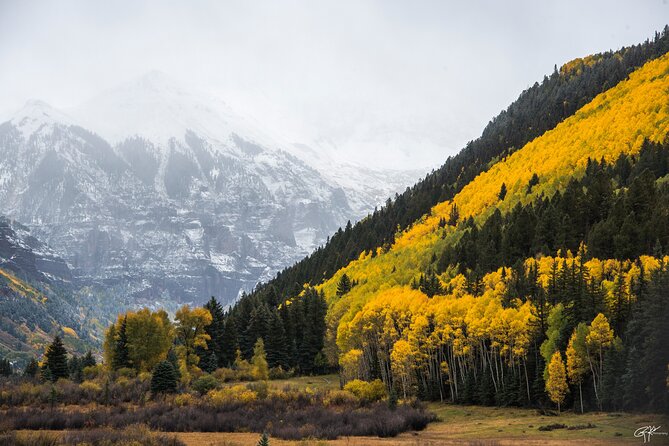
x,y
599,337
190,332
402,363
150,336
577,358
259,361
556,385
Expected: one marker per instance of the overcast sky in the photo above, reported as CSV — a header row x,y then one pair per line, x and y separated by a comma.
x,y
395,83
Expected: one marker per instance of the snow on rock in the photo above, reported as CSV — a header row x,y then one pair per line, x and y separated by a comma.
x,y
155,194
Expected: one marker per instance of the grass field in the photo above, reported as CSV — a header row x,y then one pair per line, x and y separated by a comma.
x,y
320,382
469,425
482,426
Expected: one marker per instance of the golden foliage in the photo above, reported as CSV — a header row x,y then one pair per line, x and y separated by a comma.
x,y
613,123
556,385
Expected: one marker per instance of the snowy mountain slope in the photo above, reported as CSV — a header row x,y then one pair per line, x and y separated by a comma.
x,y
181,200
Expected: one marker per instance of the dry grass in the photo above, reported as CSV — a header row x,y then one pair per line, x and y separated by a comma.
x,y
480,426
473,426
319,382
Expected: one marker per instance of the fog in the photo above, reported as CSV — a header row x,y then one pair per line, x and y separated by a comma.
x,y
397,84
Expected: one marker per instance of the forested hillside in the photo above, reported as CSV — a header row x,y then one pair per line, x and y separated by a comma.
x,y
537,110
36,299
551,241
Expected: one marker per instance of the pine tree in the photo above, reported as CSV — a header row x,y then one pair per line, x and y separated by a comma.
x,y
31,368
88,360
45,373
164,378
264,440
216,331
454,215
229,344
343,286
258,325
277,343
76,369
502,192
173,359
121,356
56,359
5,367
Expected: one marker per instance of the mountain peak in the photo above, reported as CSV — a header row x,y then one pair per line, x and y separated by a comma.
x,y
35,114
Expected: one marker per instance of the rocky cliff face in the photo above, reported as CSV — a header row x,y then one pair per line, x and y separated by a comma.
x,y
178,202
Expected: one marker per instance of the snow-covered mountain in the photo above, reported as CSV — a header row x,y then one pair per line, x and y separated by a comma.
x,y
160,195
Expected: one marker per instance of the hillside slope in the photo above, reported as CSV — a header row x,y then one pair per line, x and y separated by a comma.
x,y
556,248
616,122
36,297
537,110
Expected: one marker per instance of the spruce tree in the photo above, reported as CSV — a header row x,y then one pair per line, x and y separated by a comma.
x,y
257,328
88,360
344,285
56,360
502,192
277,344
121,353
31,368
210,357
264,440
5,367
229,344
164,378
173,359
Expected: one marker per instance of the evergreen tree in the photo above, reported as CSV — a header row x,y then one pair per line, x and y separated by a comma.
x,y
645,377
76,369
56,359
264,440
211,356
502,192
344,285
258,325
277,343
533,182
229,344
45,373
173,359
5,367
454,215
121,356
88,360
164,378
31,368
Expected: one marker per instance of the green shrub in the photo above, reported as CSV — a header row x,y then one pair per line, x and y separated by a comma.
x,y
204,384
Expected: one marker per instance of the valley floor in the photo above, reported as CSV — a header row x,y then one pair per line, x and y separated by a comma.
x,y
480,426
483,426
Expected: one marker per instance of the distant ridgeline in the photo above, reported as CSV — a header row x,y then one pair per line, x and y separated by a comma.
x,y
541,245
